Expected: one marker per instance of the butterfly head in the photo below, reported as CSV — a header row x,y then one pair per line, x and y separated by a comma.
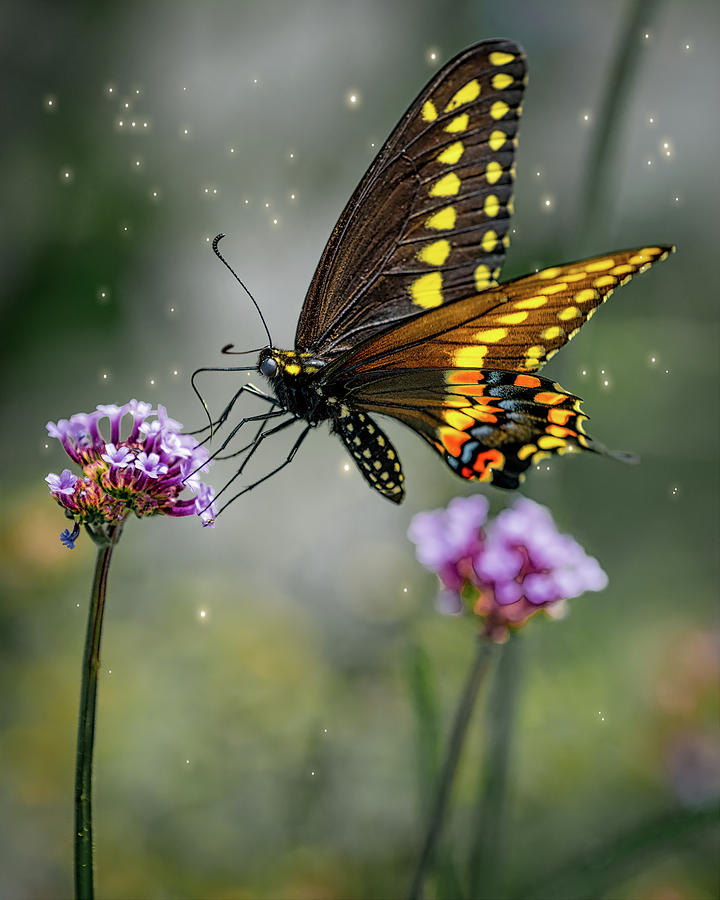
x,y
287,364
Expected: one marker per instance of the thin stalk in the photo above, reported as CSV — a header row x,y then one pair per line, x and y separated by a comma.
x,y
84,888
452,757
639,15
487,831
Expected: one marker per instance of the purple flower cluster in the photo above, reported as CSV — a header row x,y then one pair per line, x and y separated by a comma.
x,y
144,472
512,566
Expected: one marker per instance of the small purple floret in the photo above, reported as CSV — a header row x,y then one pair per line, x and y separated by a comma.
x,y
118,457
63,483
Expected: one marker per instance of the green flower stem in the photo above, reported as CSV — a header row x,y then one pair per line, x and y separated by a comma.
x,y
84,889
487,831
639,14
452,757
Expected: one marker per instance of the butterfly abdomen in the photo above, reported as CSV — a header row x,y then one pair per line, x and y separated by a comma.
x,y
374,455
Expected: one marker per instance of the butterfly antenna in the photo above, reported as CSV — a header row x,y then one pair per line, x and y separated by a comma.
x,y
222,259
200,396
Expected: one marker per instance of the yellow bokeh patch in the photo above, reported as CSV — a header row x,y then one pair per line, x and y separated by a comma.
x,y
496,140
451,154
466,94
501,81
446,186
497,58
442,220
491,206
459,123
426,291
499,109
436,253
488,242
429,113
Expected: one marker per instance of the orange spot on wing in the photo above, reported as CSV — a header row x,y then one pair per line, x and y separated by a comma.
x,y
560,416
485,462
466,376
549,398
453,440
527,381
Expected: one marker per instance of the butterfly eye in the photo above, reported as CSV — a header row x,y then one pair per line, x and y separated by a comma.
x,y
268,367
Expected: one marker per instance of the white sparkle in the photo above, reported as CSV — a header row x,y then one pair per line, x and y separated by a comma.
x,y
547,203
172,309
152,381
353,98
346,467
202,613
432,55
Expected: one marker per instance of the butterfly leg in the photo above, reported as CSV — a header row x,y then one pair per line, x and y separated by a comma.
x,y
252,449
291,455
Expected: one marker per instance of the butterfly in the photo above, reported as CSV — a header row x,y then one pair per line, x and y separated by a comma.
x,y
405,316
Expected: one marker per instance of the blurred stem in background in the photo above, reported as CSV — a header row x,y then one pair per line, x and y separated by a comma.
x,y
84,888
487,833
639,16
446,777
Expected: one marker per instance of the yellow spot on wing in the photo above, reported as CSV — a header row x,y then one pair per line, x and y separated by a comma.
x,y
446,186
513,318
492,206
466,94
436,253
483,278
585,296
492,335
429,113
426,291
451,154
496,140
493,171
470,357
546,274
572,312
499,109
501,81
459,123
621,270
457,419
604,281
442,220
551,333
488,242
526,451
550,443
555,288
497,58
600,265
532,302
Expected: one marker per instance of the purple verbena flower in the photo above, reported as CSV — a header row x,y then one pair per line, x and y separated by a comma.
x,y
143,472
515,565
447,539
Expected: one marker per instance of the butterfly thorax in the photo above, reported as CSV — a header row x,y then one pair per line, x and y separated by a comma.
x,y
293,375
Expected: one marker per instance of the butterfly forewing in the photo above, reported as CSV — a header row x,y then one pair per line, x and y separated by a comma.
x,y
428,223
516,326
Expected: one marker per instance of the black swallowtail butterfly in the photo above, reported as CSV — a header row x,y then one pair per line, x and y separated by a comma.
x,y
405,316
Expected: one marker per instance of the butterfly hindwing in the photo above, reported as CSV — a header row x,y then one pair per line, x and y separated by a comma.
x,y
428,223
488,425
374,455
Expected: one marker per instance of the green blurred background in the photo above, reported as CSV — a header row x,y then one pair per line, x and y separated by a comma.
x,y
267,749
